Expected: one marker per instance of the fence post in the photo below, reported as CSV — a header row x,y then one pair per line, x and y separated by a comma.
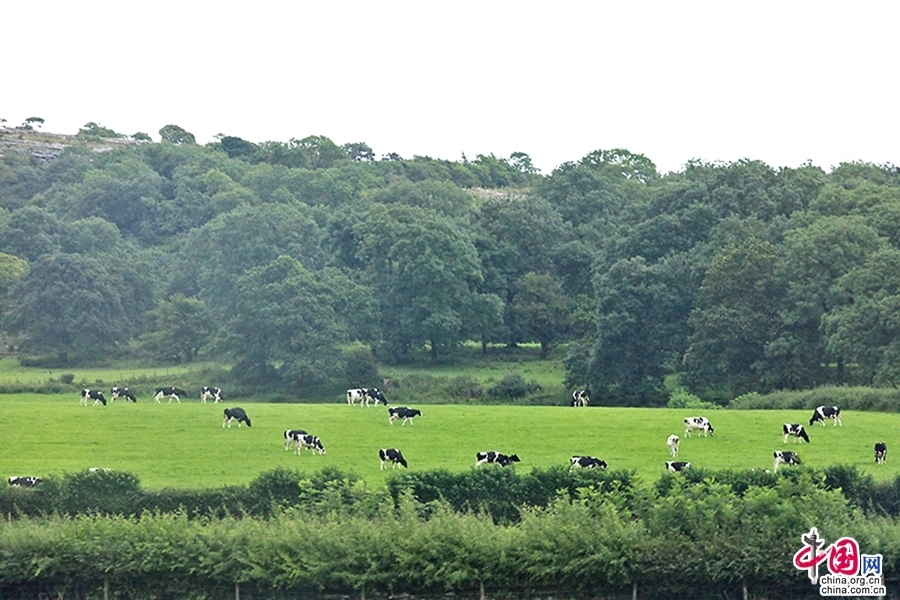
x,y
237,591
481,589
105,588
744,587
634,590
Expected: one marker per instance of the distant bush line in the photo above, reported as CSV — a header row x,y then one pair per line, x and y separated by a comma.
x,y
847,397
707,534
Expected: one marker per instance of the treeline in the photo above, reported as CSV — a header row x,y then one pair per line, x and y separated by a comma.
x,y
273,256
683,537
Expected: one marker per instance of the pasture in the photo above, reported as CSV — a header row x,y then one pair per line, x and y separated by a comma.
x,y
185,446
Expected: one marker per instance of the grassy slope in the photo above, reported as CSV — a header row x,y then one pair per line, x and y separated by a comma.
x,y
184,445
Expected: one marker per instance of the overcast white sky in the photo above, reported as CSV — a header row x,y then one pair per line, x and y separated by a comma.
x,y
783,82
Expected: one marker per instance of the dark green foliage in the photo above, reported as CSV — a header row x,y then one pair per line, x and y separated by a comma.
x,y
360,368
513,385
100,491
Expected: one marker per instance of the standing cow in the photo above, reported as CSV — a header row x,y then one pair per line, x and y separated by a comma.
x,y
393,456
122,392
208,391
95,395
880,452
697,424
826,412
172,392
673,443
795,430
235,414
580,398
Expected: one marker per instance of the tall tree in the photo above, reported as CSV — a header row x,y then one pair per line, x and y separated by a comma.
x,y
422,267
70,304
733,319
516,236
283,324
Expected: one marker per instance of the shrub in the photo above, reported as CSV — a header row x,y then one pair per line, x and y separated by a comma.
x,y
67,378
681,398
513,385
361,368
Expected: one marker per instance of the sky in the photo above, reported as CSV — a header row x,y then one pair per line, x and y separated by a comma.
x,y
784,82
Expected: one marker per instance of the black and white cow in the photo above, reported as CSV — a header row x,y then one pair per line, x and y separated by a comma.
x,y
356,394
580,398
208,391
122,392
290,437
307,440
586,462
172,392
376,396
697,424
95,395
393,456
880,452
403,412
677,466
29,482
673,443
795,430
235,414
786,458
826,412
495,457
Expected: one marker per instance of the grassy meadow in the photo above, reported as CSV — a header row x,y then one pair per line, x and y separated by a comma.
x,y
185,446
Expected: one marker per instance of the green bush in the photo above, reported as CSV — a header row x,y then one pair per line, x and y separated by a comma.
x,y
681,398
512,386
848,398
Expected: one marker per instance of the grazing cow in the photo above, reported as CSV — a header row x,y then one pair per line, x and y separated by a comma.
x,y
786,458
235,414
306,440
586,462
795,430
95,395
356,394
697,423
29,482
376,396
580,398
172,392
826,412
672,443
495,457
121,392
393,456
677,466
403,412
880,452
208,392
290,437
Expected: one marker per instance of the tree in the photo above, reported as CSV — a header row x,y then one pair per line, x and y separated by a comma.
x,y
176,135
140,136
866,330
812,260
515,236
236,147
179,328
641,330
734,318
69,304
94,130
283,324
31,122
543,310
422,268
359,151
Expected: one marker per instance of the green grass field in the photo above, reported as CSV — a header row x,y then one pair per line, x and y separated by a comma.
x,y
184,445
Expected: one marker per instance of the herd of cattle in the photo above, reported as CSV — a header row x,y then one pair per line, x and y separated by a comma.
x,y
207,392
300,439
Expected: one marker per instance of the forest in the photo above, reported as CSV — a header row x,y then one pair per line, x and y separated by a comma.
x,y
287,261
